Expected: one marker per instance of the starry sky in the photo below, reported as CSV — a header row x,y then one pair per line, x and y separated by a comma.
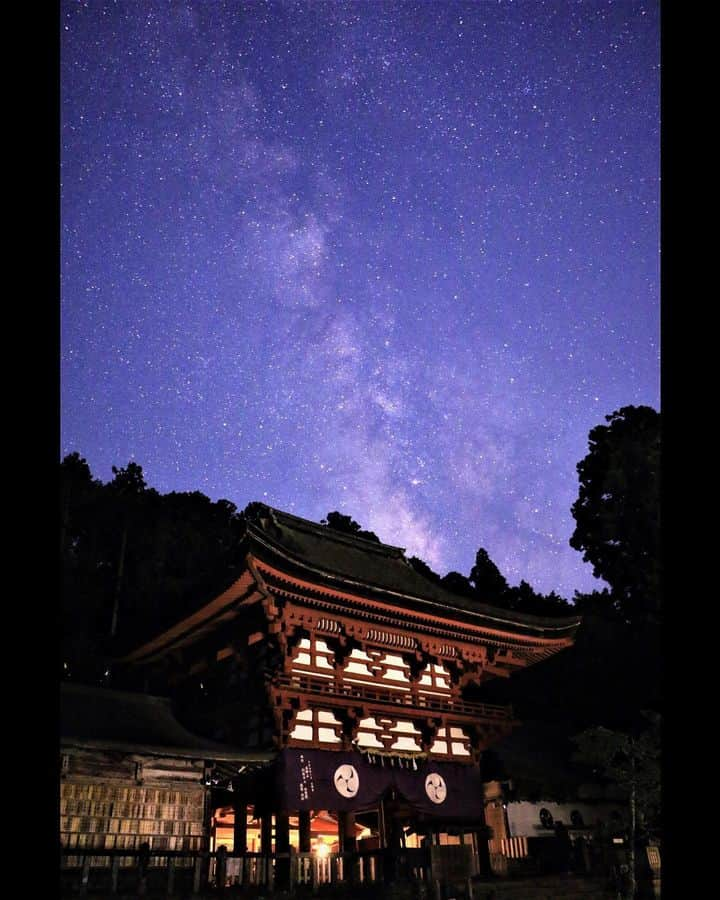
x,y
391,258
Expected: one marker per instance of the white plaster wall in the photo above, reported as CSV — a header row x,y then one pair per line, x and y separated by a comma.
x,y
524,816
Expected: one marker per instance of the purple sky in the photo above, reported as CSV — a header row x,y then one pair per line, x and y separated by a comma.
x,y
390,258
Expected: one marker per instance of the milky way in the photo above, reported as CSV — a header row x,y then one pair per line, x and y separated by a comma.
x,y
390,258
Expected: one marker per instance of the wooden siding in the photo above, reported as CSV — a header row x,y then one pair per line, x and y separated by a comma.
x,y
119,801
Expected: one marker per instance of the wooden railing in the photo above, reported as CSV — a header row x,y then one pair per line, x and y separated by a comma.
x,y
347,691
146,872
138,872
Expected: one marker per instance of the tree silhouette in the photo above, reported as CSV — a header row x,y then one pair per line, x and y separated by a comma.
x,y
347,525
133,560
490,584
128,485
458,584
77,489
422,568
617,510
83,578
524,598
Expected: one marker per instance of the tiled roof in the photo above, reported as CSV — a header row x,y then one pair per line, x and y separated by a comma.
x,y
346,559
104,718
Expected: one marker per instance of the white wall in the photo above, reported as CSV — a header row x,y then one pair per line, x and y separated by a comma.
x,y
524,816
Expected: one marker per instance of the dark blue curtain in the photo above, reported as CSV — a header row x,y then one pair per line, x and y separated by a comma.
x,y
352,781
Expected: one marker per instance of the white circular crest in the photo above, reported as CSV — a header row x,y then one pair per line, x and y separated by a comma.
x,y
346,780
435,787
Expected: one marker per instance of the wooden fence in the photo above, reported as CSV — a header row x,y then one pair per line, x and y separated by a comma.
x,y
145,872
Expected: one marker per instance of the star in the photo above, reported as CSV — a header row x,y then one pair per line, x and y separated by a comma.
x,y
302,253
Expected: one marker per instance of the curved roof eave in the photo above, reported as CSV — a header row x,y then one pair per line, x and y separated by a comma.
x,y
478,613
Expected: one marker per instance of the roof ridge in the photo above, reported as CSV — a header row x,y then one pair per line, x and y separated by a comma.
x,y
457,601
341,537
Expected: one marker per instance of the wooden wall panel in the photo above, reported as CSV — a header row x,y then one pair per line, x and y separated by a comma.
x,y
116,801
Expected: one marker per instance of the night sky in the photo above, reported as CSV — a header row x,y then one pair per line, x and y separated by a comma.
x,y
395,259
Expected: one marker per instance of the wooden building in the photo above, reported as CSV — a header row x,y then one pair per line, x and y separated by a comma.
x,y
361,677
131,774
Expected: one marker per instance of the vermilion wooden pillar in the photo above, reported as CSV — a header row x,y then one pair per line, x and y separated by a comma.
x,y
282,846
346,832
304,830
481,836
240,826
394,845
347,842
266,834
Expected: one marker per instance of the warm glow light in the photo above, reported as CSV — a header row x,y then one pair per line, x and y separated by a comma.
x,y
322,849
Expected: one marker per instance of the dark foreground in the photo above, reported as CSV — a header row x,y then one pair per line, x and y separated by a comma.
x,y
541,887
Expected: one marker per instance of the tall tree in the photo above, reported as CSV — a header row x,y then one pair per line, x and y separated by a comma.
x,y
77,487
134,559
128,486
617,512
83,575
490,584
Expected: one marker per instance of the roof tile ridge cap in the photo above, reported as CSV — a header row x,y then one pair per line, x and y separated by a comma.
x,y
498,612
338,536
489,612
523,618
170,749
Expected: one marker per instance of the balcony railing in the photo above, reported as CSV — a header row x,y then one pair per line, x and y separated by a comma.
x,y
346,692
